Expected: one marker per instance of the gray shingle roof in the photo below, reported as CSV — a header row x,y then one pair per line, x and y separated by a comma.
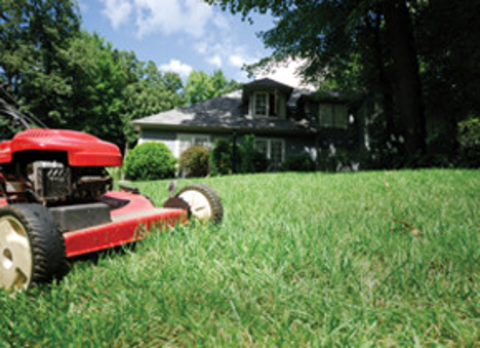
x,y
223,113
266,82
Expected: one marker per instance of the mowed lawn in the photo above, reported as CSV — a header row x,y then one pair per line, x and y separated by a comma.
x,y
382,258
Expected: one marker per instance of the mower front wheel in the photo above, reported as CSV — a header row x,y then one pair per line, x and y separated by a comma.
x,y
204,203
32,250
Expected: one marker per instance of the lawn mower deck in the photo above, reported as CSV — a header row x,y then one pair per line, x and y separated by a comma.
x,y
126,224
56,202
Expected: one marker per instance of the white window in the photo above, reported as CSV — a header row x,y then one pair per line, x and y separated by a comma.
x,y
184,141
333,115
265,104
260,104
273,149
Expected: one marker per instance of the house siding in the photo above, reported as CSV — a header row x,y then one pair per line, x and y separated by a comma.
x,y
168,138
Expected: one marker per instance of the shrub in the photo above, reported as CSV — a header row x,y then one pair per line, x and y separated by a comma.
x,y
221,158
298,163
469,141
260,162
194,161
247,158
251,160
246,152
150,161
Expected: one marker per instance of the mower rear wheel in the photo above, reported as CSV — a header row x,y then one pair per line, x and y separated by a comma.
x,y
204,203
32,250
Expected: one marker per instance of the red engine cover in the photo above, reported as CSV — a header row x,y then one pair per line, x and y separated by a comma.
x,y
83,150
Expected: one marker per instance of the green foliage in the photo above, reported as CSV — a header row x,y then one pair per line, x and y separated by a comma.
x,y
251,160
113,87
301,259
221,157
200,87
412,61
73,79
469,132
116,173
34,63
194,161
8,127
247,158
469,140
298,163
150,161
247,154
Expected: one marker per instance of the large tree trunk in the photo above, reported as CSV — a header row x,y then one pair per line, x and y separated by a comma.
x,y
407,83
384,82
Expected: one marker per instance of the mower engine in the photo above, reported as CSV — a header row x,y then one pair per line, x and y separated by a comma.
x,y
54,182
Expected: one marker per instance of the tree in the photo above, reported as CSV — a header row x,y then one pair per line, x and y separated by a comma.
x,y
151,93
112,88
35,36
200,86
98,83
73,79
399,53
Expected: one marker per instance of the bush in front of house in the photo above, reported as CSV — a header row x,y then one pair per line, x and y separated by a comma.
x,y
251,160
221,158
194,161
298,163
247,158
150,161
469,141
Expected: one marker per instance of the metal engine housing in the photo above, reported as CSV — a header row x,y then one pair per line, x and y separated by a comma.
x,y
52,180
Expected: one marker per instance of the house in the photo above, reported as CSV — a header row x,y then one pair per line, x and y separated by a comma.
x,y
284,120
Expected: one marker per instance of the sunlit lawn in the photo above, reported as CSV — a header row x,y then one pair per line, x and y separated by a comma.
x,y
377,258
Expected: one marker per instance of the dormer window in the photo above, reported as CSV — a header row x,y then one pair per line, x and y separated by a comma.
x,y
265,104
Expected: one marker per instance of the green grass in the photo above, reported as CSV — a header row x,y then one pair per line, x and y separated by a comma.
x,y
300,259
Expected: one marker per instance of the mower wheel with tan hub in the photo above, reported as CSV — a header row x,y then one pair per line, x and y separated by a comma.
x,y
200,201
32,250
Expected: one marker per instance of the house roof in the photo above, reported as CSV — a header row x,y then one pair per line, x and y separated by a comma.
x,y
225,113
269,83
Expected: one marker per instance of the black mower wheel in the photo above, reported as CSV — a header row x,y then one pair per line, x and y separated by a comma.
x,y
203,202
32,250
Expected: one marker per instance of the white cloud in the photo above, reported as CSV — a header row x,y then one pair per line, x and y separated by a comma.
x,y
170,16
287,72
223,48
215,60
164,16
221,22
237,60
117,11
201,47
177,66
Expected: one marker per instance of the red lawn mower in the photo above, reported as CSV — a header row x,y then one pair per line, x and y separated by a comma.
x,y
56,202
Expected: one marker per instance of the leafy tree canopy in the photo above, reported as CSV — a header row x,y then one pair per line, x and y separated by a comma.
x,y
200,86
417,60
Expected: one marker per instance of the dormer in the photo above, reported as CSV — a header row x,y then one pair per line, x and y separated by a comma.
x,y
266,98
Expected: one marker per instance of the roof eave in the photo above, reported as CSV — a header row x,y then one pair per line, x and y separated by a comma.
x,y
228,129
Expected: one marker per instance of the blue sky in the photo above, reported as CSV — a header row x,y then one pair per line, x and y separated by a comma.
x,y
179,35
